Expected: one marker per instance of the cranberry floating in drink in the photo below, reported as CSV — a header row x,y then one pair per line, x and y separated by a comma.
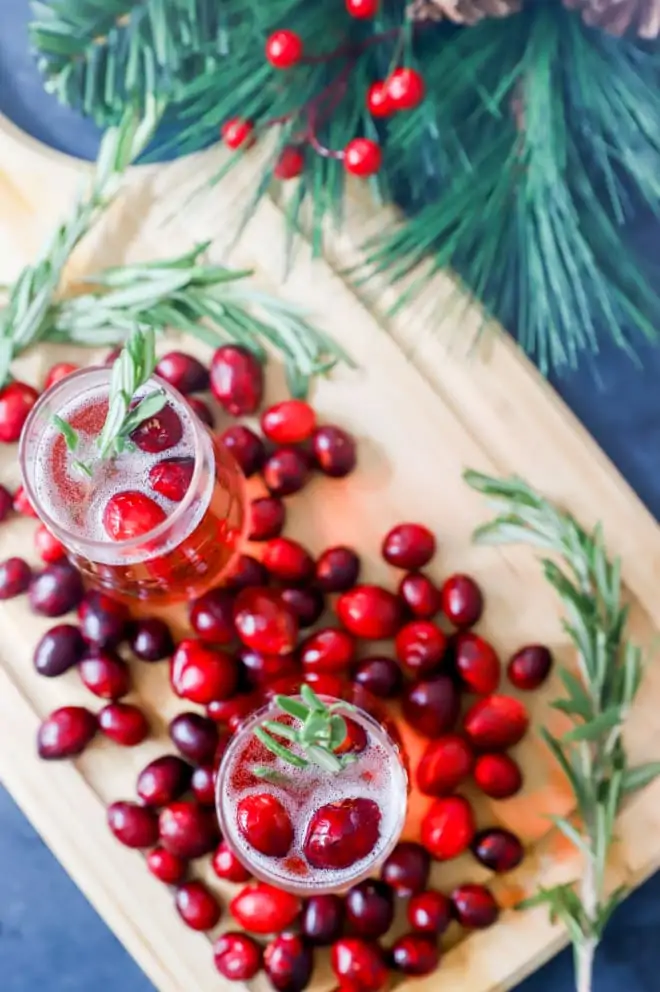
x,y
311,794
146,502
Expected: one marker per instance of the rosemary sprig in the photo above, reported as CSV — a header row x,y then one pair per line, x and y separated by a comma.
x,y
597,699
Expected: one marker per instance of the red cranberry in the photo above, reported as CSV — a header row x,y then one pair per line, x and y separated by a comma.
x,y
56,590
105,674
151,639
15,576
380,676
443,766
307,604
187,829
285,472
246,447
287,560
202,785
325,684
47,546
496,723
66,732
356,739
477,663
163,780
237,380
265,668
16,401
448,827
359,965
420,595
123,723
462,602
131,514
112,356
133,825
328,650
58,372
237,957
211,617
334,451
261,908
498,775
420,647
227,866
195,736
288,962
264,621
498,849
370,908
247,571
409,546
102,620
265,824
22,504
201,410
59,649
370,612
197,906
159,433
407,868
415,954
288,422
341,833
322,919
183,372
529,667
337,569
267,516
171,478
431,706
201,673
429,912
6,502
474,906
165,866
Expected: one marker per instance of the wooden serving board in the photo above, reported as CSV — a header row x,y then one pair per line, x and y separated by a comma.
x,y
422,414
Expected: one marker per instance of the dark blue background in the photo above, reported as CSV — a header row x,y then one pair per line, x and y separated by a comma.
x,y
50,938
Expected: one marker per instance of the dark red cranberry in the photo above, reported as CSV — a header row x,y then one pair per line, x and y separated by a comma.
x,y
133,825
288,962
341,833
308,604
201,410
102,620
211,617
337,569
264,622
285,471
288,685
163,780
66,732
415,954
237,380
462,601
498,849
233,711
498,775
328,650
429,912
369,611
56,590
476,662
420,647
409,546
431,706
380,676
171,478
356,739
247,448
334,451
322,919
238,957
123,723
131,514
159,433
265,824
370,908
22,504
264,668
474,906
15,576
529,667
59,649
184,372
57,372
188,829
227,866
16,401
445,763
267,516
105,674
288,422
202,785
420,594
195,736
496,723
197,906
112,356
407,868
448,827
247,571
287,560
151,639
6,502
359,964
165,866
201,672
47,546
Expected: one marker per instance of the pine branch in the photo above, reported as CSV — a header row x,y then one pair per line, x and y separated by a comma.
x,y
597,700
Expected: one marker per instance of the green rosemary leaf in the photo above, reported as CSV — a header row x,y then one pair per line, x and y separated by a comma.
x,y
639,777
130,372
615,899
278,749
82,467
292,706
315,726
67,431
270,775
593,730
571,834
312,700
281,730
338,731
146,408
324,759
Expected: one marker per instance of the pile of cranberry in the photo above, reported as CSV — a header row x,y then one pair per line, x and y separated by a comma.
x,y
246,646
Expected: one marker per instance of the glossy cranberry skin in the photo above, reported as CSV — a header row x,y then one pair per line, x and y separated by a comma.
x,y
237,957
264,622
22,505
195,736
328,650
337,569
247,571
16,401
227,866
66,732
496,723
288,962
307,604
285,472
171,477
202,673
474,906
529,667
420,595
498,849
132,824
288,422
15,576
159,433
369,611
197,906
237,380
261,908
341,833
202,785
201,410
325,684
448,828
288,561
6,502
265,668
420,647
415,954
265,824
47,545
267,517
462,600
211,617
56,590
322,919
150,639
409,546
477,663
359,965
102,620
370,908
187,829
165,866
247,448
498,775
445,763
429,912
123,723
105,674
407,868
58,372
184,372
431,706
163,780
59,649
131,514
380,676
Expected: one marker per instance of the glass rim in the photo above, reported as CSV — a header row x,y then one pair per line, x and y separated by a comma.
x,y
103,372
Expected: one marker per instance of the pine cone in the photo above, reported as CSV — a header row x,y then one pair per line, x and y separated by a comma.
x,y
461,11
620,16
